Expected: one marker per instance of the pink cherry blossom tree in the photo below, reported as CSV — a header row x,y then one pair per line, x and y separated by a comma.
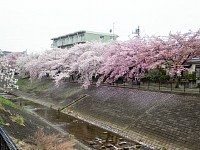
x,y
130,59
82,60
119,57
134,57
181,48
22,64
110,61
90,62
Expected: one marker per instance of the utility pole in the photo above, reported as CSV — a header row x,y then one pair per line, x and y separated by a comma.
x,y
137,31
112,30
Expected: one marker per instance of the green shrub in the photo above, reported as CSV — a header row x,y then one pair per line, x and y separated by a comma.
x,y
189,76
157,74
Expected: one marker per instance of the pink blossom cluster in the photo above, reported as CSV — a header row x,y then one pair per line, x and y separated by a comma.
x,y
131,59
110,61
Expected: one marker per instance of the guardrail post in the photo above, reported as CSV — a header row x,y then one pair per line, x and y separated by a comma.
x,y
139,84
199,88
132,82
171,86
184,86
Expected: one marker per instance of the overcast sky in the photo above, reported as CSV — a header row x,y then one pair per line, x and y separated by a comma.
x,y
30,24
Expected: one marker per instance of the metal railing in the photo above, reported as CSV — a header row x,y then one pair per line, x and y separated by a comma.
x,y
5,141
163,86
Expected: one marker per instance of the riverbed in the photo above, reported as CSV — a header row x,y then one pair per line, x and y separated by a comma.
x,y
88,134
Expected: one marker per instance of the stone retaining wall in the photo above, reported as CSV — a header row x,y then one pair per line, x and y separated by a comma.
x,y
162,120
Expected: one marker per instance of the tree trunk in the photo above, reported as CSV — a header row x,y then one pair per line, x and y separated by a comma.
x,y
177,81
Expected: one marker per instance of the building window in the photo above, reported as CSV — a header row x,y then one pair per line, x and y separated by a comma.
x,y
75,38
72,39
197,71
82,37
63,41
59,42
101,37
55,43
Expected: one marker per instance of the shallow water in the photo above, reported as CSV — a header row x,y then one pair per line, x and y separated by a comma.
x,y
90,135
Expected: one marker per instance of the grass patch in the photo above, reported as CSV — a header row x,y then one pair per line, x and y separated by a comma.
x,y
11,104
18,119
21,82
1,121
2,108
28,85
7,102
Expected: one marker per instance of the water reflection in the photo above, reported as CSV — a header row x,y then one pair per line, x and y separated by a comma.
x,y
93,136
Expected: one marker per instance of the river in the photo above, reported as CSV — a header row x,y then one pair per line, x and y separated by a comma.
x,y
90,135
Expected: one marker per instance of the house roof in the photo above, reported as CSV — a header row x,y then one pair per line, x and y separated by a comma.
x,y
194,61
83,31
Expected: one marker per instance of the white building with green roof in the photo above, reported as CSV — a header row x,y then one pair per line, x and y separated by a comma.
x,y
68,40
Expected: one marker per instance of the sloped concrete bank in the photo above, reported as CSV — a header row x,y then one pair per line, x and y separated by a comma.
x,y
162,120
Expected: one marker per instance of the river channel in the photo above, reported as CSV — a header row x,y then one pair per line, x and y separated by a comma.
x,y
90,135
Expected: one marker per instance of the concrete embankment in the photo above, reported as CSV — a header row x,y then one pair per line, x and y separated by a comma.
x,y
162,120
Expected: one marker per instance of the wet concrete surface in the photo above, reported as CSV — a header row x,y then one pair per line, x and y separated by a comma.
x,y
91,135
163,120
160,119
